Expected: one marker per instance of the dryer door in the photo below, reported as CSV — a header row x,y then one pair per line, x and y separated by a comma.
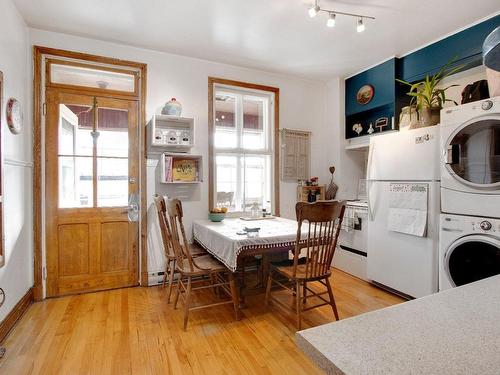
x,y
473,153
472,258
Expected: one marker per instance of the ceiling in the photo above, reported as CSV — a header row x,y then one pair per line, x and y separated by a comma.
x,y
272,35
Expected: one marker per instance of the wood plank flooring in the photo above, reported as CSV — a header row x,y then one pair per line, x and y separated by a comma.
x,y
134,331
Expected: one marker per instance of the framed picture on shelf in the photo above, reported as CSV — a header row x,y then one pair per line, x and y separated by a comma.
x,y
365,94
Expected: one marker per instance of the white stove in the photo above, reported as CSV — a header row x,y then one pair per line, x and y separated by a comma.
x,y
351,252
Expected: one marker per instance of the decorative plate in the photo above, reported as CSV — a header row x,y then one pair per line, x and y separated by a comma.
x,y
365,94
14,116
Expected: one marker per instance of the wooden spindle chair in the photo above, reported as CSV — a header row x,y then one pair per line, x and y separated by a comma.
x,y
323,220
204,270
166,236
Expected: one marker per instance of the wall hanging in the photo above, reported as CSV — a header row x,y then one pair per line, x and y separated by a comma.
x,y
365,94
14,115
295,154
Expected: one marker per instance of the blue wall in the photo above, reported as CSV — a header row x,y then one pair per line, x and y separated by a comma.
x,y
465,47
381,78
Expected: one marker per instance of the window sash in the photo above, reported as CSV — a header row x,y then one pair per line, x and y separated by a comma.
x,y
240,152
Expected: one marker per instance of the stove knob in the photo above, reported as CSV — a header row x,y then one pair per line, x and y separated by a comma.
x,y
486,105
485,225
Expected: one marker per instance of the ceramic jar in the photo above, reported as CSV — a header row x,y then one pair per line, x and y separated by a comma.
x,y
172,108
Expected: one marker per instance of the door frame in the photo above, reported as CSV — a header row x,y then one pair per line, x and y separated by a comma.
x,y
38,159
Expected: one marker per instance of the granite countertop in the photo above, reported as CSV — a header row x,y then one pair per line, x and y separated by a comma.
x,y
454,332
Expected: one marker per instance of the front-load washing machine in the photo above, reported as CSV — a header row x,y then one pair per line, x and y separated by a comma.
x,y
469,249
470,159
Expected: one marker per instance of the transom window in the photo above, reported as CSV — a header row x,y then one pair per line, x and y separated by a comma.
x,y
243,152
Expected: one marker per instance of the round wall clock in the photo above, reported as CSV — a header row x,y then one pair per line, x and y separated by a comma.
x,y
14,114
365,94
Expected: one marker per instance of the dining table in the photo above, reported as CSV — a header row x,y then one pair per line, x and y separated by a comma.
x,y
231,243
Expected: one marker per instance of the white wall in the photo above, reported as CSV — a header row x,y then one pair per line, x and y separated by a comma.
x,y
350,165
302,106
16,276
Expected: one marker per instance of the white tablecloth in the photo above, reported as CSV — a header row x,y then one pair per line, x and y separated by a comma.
x,y
223,242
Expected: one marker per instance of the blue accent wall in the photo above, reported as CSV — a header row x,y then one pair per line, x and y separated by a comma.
x,y
465,47
381,78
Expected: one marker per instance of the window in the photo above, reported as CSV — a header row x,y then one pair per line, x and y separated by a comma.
x,y
243,150
77,184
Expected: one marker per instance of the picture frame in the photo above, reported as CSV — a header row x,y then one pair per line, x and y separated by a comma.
x,y
365,94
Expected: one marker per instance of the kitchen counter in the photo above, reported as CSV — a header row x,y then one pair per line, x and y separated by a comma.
x,y
456,331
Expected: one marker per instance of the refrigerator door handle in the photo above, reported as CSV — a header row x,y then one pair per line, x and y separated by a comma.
x,y
369,201
369,162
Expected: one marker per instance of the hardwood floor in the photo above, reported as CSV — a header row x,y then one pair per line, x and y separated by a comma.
x,y
134,331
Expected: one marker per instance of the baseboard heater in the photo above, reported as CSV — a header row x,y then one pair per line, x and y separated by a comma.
x,y
354,251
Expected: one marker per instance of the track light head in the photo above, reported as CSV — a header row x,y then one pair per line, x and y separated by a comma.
x,y
314,10
331,20
361,26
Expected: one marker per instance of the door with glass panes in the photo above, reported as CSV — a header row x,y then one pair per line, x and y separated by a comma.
x,y
91,180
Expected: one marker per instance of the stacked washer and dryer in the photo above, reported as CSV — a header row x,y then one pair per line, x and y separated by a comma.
x,y
469,241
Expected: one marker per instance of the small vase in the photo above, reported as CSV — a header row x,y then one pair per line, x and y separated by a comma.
x,y
172,108
429,116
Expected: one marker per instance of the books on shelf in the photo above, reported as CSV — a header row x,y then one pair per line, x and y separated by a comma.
x,y
168,168
180,169
185,170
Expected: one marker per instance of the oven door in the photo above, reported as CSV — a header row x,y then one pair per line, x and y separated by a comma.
x,y
472,258
473,153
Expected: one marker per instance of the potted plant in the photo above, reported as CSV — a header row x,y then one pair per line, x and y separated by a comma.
x,y
427,97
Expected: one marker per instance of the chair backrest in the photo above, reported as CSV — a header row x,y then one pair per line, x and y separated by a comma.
x,y
166,232
324,220
179,240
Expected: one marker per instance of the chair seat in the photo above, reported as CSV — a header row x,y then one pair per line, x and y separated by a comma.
x,y
300,274
206,263
196,250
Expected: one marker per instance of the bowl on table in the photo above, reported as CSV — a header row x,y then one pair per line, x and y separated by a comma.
x,y
216,217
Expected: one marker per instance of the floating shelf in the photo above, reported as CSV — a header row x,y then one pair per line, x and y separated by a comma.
x,y
180,168
362,143
170,133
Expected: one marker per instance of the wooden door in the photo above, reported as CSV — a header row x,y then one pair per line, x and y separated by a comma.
x,y
91,180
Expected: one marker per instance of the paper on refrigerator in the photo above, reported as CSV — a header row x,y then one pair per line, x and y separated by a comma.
x,y
408,208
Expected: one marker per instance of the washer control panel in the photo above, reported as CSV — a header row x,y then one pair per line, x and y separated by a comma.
x,y
456,223
484,225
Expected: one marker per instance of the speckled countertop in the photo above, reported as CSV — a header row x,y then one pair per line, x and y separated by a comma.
x,y
454,332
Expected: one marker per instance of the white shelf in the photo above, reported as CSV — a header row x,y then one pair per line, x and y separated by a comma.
x,y
363,142
170,133
181,156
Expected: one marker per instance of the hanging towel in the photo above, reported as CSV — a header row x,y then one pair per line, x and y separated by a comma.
x,y
408,209
350,218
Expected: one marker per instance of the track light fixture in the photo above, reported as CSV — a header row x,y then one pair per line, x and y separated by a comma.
x,y
331,20
361,26
332,15
314,9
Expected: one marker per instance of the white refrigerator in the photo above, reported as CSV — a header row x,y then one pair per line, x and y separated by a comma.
x,y
406,263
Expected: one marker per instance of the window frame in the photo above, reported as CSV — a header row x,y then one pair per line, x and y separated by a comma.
x,y
273,93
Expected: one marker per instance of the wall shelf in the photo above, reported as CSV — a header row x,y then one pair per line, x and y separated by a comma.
x,y
170,133
180,168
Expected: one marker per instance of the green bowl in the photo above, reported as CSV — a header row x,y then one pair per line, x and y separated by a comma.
x,y
216,218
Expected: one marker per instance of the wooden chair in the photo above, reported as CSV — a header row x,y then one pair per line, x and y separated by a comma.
x,y
324,220
166,235
205,269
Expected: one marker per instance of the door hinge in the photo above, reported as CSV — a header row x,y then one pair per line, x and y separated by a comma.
x,y
44,109
44,273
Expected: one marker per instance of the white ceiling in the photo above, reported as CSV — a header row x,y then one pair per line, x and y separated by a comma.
x,y
273,35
